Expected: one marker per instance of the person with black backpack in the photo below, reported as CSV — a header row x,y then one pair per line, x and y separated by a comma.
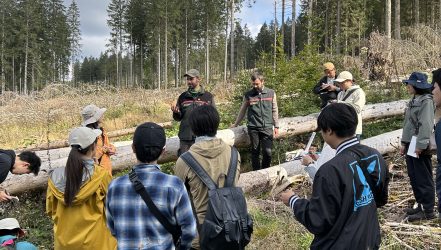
x,y
347,190
210,170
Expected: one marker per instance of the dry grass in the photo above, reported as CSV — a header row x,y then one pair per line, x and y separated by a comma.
x,y
52,112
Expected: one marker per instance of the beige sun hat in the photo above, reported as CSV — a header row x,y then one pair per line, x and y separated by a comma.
x,y
10,224
83,136
91,114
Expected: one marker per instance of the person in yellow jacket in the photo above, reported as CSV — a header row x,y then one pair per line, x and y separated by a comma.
x,y
75,198
93,118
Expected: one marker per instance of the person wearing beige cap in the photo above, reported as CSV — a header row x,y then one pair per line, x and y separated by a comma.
x,y
351,94
10,233
75,198
187,101
325,87
93,118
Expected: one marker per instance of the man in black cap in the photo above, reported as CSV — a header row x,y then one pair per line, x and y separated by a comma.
x,y
129,218
25,163
187,101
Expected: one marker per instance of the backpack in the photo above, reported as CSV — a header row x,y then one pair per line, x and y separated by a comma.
x,y
227,224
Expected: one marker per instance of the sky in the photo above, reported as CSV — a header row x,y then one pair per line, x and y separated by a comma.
x,y
95,33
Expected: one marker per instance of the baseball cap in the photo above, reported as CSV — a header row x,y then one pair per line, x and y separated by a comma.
x,y
343,76
83,136
192,73
91,114
10,224
149,134
328,66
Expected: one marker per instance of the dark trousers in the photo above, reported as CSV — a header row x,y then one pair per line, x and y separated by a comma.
x,y
261,140
421,180
184,146
438,186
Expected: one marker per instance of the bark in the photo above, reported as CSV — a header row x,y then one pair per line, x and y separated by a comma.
x,y
256,182
293,29
226,46
388,18
275,36
337,29
283,25
2,56
252,182
309,22
397,33
232,73
166,47
417,12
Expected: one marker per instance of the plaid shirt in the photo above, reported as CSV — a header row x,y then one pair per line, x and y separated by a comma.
x,y
130,220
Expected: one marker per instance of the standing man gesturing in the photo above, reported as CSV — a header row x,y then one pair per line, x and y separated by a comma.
x,y
187,101
260,104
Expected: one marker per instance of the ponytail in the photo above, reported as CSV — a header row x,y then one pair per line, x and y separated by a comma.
x,y
74,172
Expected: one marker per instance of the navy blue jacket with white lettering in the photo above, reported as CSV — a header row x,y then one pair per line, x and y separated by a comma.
x,y
342,211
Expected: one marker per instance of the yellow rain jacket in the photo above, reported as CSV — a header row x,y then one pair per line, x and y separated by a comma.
x,y
102,155
83,225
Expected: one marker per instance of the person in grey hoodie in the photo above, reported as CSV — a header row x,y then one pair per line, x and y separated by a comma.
x,y
418,126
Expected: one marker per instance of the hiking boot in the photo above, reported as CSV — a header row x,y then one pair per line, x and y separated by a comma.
x,y
411,210
421,216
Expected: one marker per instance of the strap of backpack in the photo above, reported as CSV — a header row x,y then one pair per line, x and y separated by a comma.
x,y
198,170
140,189
232,168
349,94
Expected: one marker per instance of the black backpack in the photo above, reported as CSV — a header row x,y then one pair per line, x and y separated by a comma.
x,y
227,224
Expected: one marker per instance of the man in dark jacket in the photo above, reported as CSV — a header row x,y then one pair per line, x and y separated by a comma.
x,y
25,163
187,101
260,105
342,211
326,88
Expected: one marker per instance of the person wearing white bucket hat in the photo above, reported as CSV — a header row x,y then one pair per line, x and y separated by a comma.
x,y
75,196
93,118
10,232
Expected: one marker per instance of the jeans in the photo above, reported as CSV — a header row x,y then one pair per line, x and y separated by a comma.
x,y
261,140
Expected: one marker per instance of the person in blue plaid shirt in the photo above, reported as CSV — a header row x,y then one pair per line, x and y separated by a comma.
x,y
128,217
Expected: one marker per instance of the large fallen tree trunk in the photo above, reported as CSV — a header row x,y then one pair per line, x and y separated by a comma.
x,y
263,180
255,181
288,127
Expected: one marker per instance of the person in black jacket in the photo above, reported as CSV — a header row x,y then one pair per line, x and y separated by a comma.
x,y
325,87
195,96
25,163
342,211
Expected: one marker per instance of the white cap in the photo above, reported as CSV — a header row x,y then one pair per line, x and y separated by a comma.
x,y
91,114
10,224
83,136
343,76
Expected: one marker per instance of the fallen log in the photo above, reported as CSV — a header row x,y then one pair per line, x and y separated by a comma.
x,y
250,182
256,181
288,127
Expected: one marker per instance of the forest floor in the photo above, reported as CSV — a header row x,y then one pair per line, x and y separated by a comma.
x,y
51,113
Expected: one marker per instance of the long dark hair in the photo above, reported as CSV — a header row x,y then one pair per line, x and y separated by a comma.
x,y
74,172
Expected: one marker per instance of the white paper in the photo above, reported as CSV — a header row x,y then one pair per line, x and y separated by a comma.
x,y
412,147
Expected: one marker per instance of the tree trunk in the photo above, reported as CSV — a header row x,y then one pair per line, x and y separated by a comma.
x,y
159,61
207,54
226,45
238,136
166,47
309,22
283,25
338,28
293,29
257,182
2,56
232,70
326,25
388,23
25,79
432,15
177,65
439,14
254,181
397,33
275,36
141,59
417,12
186,39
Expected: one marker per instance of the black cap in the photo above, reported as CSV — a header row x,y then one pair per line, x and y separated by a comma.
x,y
149,134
